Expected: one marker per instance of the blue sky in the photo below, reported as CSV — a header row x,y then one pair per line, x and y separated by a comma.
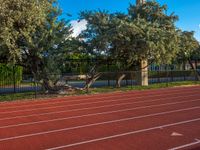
x,y
187,10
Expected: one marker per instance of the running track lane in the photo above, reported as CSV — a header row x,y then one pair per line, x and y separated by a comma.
x,y
142,124
95,102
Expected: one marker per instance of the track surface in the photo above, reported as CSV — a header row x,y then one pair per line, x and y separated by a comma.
x,y
138,120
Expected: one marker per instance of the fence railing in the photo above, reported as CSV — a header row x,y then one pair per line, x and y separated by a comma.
x,y
14,84
26,83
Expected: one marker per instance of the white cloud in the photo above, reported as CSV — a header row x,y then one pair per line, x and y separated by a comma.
x,y
78,27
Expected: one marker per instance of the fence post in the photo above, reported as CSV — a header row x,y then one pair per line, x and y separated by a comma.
x,y
167,78
158,76
184,76
14,80
87,88
35,85
171,76
131,79
127,74
196,75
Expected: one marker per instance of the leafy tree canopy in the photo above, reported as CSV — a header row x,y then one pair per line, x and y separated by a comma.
x,y
19,20
145,32
189,46
32,34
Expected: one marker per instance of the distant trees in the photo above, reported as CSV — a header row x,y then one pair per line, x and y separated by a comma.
x,y
188,46
188,49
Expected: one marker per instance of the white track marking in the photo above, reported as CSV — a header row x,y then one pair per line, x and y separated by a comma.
x,y
124,134
96,114
97,107
96,98
96,102
176,134
186,145
96,124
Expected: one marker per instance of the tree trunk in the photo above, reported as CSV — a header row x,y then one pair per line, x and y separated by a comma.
x,y
51,86
91,79
184,65
142,74
197,74
196,64
120,77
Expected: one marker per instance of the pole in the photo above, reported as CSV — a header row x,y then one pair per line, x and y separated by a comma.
x,y
14,82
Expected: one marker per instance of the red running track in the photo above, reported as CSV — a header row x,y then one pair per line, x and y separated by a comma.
x,y
137,120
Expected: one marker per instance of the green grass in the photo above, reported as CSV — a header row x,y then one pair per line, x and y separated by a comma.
x,y
26,96
151,86
30,95
16,96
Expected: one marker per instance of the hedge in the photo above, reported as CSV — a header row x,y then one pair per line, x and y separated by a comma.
x,y
9,74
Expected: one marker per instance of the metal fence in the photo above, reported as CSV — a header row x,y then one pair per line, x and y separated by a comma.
x,y
130,78
27,84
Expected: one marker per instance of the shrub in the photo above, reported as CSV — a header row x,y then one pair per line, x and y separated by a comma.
x,y
9,74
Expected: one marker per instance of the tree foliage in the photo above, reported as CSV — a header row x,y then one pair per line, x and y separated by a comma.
x,y
19,20
189,49
33,35
188,46
159,39
145,32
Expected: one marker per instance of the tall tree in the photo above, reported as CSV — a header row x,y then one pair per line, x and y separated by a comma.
x,y
145,33
188,45
95,41
32,35
161,35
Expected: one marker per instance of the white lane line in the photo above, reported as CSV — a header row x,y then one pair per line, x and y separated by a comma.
x,y
96,124
96,114
96,102
186,145
96,98
124,134
97,107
